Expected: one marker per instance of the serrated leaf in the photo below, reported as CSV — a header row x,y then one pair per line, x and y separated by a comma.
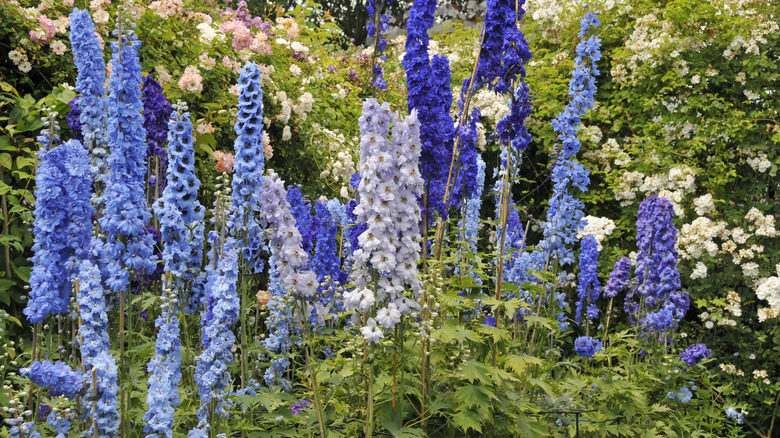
x,y
498,334
520,363
474,395
475,370
467,419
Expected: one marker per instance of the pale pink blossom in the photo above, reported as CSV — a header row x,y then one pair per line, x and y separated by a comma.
x,y
166,9
61,24
162,76
206,61
234,90
67,3
58,47
191,80
260,44
295,70
224,161
204,128
268,150
46,32
100,16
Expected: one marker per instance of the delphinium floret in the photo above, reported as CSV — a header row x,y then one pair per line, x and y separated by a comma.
x,y
618,278
58,377
587,347
62,227
695,354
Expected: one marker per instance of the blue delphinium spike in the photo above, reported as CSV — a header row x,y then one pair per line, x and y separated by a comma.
x,y
88,57
588,287
129,246
62,227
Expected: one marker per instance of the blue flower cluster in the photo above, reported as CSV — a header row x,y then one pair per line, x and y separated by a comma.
x,y
732,414
178,210
469,223
694,354
157,112
73,119
279,327
94,348
376,30
657,278
585,346
618,278
60,423
126,210
430,95
301,211
165,369
388,191
325,261
589,287
211,373
58,376
564,216
62,227
684,395
88,57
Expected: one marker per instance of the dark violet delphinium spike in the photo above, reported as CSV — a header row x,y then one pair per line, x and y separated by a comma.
x,y
695,354
129,246
157,112
588,287
618,278
94,349
58,376
587,347
301,211
73,119
325,261
88,57
211,373
249,164
165,369
178,210
62,227
388,190
377,30
428,84
660,304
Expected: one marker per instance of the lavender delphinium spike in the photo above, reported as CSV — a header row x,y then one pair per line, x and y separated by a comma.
x,y
62,227
88,57
390,245
127,213
377,30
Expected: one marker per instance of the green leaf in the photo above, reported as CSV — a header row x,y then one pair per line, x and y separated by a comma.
x,y
467,419
474,395
519,363
475,370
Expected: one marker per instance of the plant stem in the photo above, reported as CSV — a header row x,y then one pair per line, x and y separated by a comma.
x,y
395,363
122,407
312,375
609,314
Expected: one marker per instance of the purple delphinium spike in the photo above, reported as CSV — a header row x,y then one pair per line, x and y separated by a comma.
x,y
377,30
62,227
157,112
588,287
618,279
